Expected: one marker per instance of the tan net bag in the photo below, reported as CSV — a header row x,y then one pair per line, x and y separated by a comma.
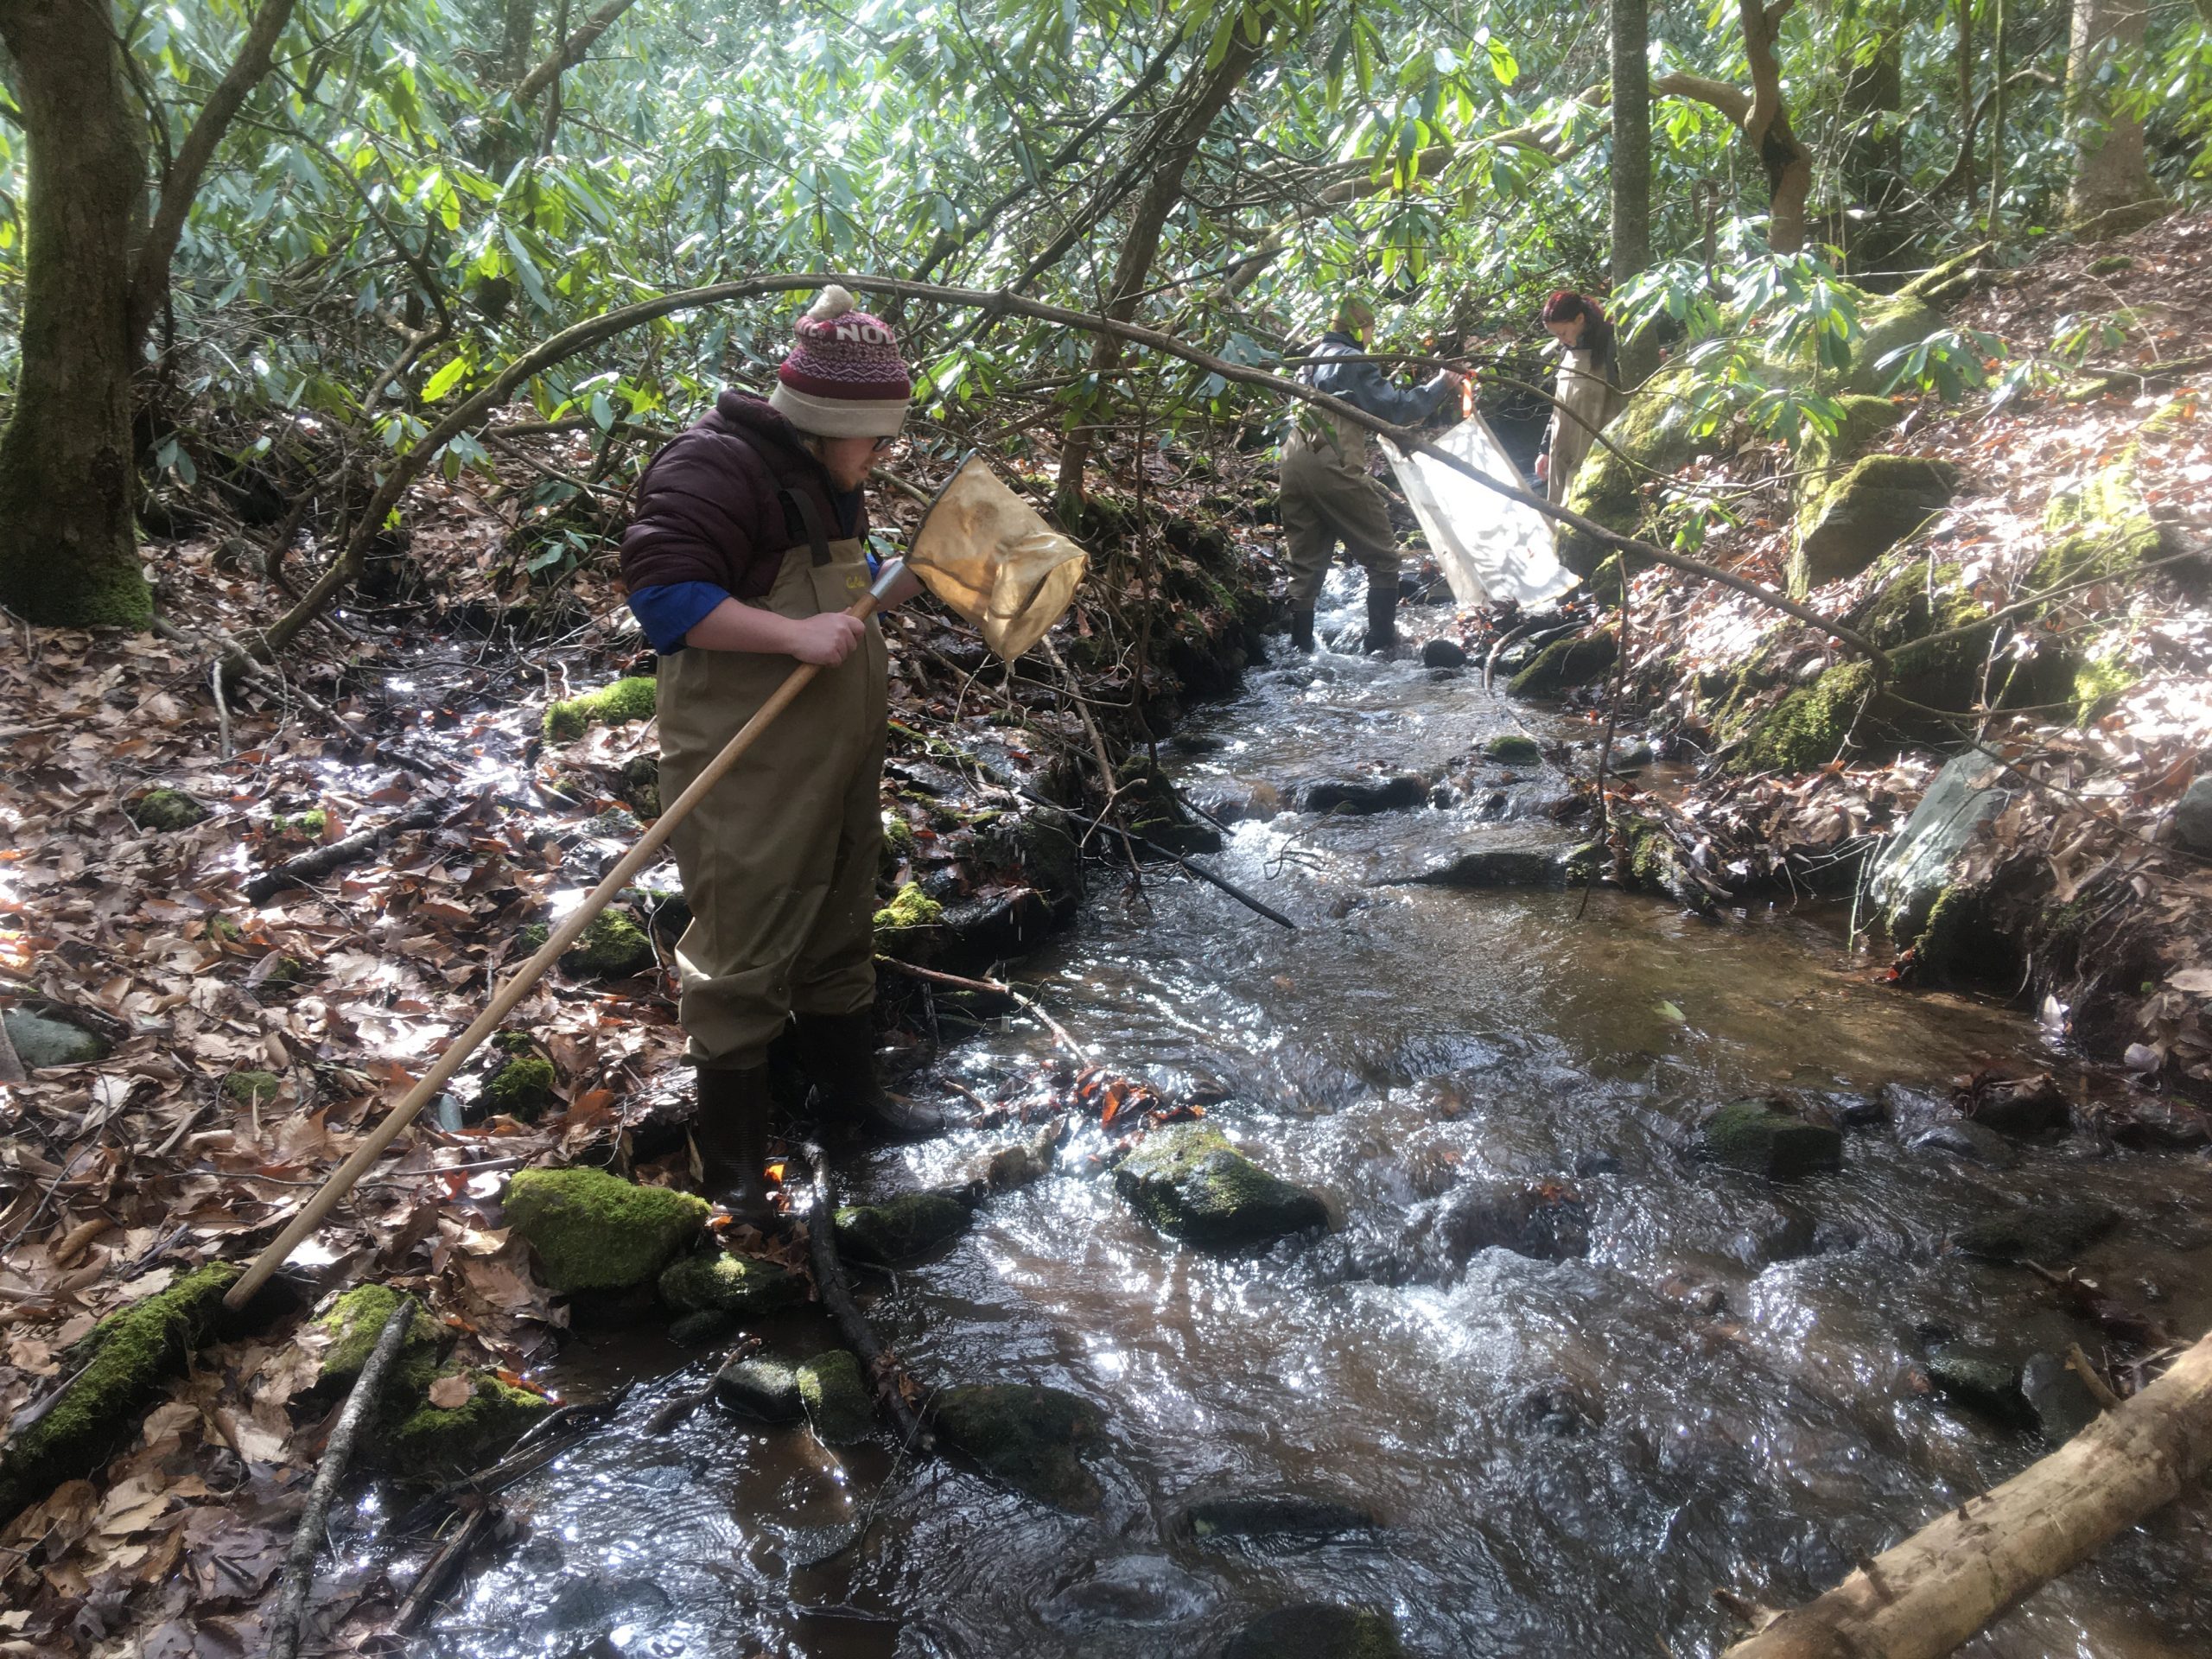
x,y
990,556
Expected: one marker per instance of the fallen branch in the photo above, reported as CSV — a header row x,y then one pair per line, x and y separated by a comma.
x,y
1933,1591
674,1410
299,1560
314,866
876,1360
423,1594
994,988
1259,905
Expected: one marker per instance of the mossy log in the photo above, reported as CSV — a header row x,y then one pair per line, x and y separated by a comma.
x,y
1932,1592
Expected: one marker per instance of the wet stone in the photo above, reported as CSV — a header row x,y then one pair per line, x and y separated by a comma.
x,y
2032,1105
1131,1589
1285,1519
2042,1233
1316,1629
767,1388
1365,795
1559,1408
1189,1182
2193,816
702,1328
900,1229
1962,1138
40,1040
735,1285
1030,1437
1443,653
1978,1380
2060,1400
835,1399
596,1604
1765,1138
1546,1220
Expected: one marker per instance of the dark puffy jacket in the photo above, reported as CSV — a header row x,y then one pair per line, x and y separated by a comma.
x,y
710,507
1363,386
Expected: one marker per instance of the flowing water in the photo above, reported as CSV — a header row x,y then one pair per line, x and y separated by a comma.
x,y
1562,1456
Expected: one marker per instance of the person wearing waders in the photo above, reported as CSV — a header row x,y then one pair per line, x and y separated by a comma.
x,y
1585,395
743,550
1327,494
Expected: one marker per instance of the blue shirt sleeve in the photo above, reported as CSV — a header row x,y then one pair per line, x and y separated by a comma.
x,y
669,612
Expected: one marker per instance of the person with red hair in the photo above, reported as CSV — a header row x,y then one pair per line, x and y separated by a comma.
x,y
1585,395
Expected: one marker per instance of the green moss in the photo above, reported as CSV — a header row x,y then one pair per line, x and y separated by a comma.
x,y
285,973
641,785
521,1087
115,1372
1031,1437
1762,1138
1881,501
167,808
837,1399
308,825
613,947
246,1087
900,1229
354,1322
635,698
898,834
224,929
910,907
1823,458
1565,664
1649,438
533,936
2111,264
1886,322
2101,528
1511,749
593,1231
1189,1182
1947,937
2103,676
721,1283
1807,727
433,1443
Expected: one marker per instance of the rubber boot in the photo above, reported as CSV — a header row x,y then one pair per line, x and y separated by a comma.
x,y
731,1133
837,1053
1381,615
1301,629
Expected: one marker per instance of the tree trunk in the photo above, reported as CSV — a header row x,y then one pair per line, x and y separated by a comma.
x,y
1134,269
1789,165
1632,120
68,545
2111,175
1873,156
518,28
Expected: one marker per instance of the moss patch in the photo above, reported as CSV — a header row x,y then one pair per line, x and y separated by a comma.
x,y
432,1443
729,1284
1565,664
1764,1139
354,1322
2102,527
521,1087
1823,458
901,1228
308,825
1511,749
167,808
1189,1182
1031,1437
118,1367
1878,503
1806,728
593,1231
635,698
910,907
246,1087
837,1399
613,947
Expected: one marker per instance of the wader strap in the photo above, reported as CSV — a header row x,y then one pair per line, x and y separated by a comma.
x,y
810,516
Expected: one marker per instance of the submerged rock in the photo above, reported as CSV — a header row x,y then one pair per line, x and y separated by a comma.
x,y
1284,1518
739,1286
41,1040
1131,1589
702,1330
1364,795
1963,1138
1443,653
1316,1629
1766,1138
2062,1400
591,1230
2040,1232
900,1229
597,1603
1189,1182
1508,858
767,1388
1545,1220
1030,1437
836,1400
1981,1381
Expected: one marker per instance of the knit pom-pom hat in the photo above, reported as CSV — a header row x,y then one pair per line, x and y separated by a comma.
x,y
844,378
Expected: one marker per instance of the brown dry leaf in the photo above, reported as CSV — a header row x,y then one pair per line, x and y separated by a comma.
x,y
451,1392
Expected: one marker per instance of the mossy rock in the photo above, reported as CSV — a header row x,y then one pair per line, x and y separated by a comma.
x,y
594,1232
1511,749
1189,1182
901,1228
1887,322
2043,1232
1982,1381
1316,1629
837,1399
1030,1437
248,1087
354,1322
40,1040
520,1087
435,1443
636,698
706,1329
613,947
723,1283
1564,664
909,911
1880,501
766,1389
2111,265
2100,528
1766,1139
115,1370
1824,458
167,808
1651,437
306,826
1807,727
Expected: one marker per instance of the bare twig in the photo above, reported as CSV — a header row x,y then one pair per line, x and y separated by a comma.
x,y
876,1360
992,987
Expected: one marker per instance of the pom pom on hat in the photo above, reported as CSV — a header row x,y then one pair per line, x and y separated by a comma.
x,y
844,378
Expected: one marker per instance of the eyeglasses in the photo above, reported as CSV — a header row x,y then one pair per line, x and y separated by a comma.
x,y
883,446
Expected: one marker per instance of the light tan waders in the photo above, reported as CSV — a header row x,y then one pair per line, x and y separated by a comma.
x,y
1328,498
780,861
1582,390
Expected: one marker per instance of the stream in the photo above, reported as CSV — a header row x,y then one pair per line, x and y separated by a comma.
x,y
1560,1452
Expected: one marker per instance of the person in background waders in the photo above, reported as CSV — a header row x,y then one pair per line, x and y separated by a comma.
x,y
1584,393
1327,494
746,547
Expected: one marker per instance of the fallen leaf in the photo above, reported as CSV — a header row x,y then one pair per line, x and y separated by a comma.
x,y
452,1392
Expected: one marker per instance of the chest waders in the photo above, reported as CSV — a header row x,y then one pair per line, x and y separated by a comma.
x,y
1328,498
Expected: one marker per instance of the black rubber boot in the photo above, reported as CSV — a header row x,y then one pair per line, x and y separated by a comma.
x,y
1302,630
837,1053
1381,615
731,1134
